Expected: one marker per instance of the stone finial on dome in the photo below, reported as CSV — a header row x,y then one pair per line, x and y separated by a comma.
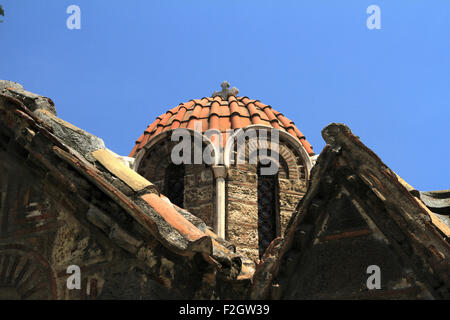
x,y
226,92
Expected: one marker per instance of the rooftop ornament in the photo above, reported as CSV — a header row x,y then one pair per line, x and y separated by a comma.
x,y
226,92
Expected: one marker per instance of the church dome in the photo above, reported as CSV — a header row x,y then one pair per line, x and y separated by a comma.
x,y
223,111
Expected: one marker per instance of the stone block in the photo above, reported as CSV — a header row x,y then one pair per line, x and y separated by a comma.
x,y
299,185
241,176
206,176
251,253
284,184
204,212
242,213
242,234
243,192
289,200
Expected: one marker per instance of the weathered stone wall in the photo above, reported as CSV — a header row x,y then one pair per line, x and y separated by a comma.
x,y
43,232
199,191
358,234
336,263
242,198
56,212
292,183
242,209
242,191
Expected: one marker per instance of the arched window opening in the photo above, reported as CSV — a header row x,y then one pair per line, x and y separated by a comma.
x,y
267,209
174,184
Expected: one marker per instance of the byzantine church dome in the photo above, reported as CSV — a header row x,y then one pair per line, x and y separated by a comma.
x,y
224,110
240,202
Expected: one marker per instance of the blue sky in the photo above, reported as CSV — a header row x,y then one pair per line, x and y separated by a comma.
x,y
315,61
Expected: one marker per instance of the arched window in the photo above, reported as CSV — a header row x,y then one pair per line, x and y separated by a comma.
x,y
267,209
174,184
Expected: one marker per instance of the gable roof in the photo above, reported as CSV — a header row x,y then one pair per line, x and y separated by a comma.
x,y
392,214
178,231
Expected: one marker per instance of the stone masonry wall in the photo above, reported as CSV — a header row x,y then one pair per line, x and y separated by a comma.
x,y
52,218
41,235
199,191
242,192
242,199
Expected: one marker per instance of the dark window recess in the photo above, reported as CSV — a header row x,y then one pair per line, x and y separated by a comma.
x,y
267,209
174,184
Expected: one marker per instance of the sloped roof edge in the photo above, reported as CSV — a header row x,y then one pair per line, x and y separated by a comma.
x,y
190,239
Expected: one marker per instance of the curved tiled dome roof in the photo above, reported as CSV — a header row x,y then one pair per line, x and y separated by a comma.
x,y
220,113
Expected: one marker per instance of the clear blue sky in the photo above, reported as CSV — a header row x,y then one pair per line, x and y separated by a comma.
x,y
315,61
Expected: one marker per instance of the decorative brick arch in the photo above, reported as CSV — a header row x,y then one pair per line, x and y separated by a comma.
x,y
155,161
286,140
244,203
24,274
291,160
294,162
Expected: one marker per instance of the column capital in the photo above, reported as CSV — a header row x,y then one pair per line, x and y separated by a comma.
x,y
219,171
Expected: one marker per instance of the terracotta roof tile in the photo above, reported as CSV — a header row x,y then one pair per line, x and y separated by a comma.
x,y
235,115
272,118
252,110
152,127
220,114
165,118
243,111
214,121
186,115
174,110
204,112
192,121
183,125
245,122
224,124
233,105
284,121
197,110
172,217
134,149
145,138
224,111
291,131
298,132
175,124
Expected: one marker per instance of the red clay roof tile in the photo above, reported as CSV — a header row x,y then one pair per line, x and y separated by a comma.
x,y
165,118
272,118
284,121
172,217
220,114
197,110
214,121
224,124
175,124
134,149
204,112
215,106
180,114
